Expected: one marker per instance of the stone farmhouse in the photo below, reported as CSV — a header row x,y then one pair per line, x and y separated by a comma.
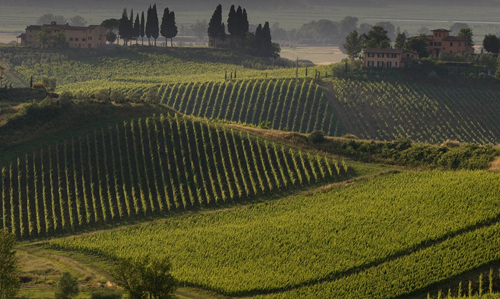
x,y
387,58
93,36
442,42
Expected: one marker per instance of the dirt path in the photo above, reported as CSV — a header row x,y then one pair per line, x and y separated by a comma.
x,y
330,94
21,80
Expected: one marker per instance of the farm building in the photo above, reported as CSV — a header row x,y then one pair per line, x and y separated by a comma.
x,y
442,42
387,58
93,36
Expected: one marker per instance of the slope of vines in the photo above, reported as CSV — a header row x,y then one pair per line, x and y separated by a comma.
x,y
287,104
421,112
144,168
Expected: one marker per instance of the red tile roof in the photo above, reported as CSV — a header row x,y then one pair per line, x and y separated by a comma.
x,y
440,30
60,27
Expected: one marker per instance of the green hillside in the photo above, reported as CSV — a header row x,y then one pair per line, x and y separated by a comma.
x,y
147,167
286,104
422,112
384,238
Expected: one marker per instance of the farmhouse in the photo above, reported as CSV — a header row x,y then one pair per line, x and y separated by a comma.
x,y
92,36
442,42
387,58
229,41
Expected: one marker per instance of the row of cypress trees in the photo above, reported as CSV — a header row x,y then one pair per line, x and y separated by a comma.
x,y
149,27
258,43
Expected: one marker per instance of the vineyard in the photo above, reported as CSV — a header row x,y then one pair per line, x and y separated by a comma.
x,y
147,167
379,239
426,113
286,104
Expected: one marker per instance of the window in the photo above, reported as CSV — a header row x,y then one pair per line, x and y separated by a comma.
x,y
435,34
83,39
380,64
371,63
381,55
459,44
396,64
371,54
430,44
70,39
451,44
408,55
76,39
90,37
389,65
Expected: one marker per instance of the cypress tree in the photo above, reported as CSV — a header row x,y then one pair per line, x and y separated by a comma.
x,y
148,24
222,31
155,28
266,41
245,23
239,22
143,27
164,24
130,26
137,29
258,39
172,28
232,22
122,26
215,24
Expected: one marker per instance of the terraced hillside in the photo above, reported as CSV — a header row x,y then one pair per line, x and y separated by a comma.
x,y
422,112
286,104
398,235
147,167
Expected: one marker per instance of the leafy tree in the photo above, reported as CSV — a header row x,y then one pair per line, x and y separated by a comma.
x,y
110,36
155,27
491,43
466,33
400,41
44,36
143,27
390,28
215,24
423,30
364,28
455,28
418,44
111,24
232,22
199,29
67,287
60,39
348,25
146,277
353,44
49,18
377,38
77,21
9,281
49,83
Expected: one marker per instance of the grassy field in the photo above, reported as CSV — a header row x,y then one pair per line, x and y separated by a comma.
x,y
350,231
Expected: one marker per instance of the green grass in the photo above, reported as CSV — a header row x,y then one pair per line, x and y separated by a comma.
x,y
261,248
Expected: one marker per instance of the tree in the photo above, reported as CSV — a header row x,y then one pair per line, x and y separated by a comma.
x,y
348,25
455,28
245,25
377,38
353,44
364,28
49,18
77,21
199,29
390,28
123,27
44,36
418,44
240,27
232,22
60,39
400,41
266,43
155,26
111,24
168,26
466,33
149,24
9,280
67,287
49,83
423,30
146,278
137,28
110,36
491,43
143,27
215,24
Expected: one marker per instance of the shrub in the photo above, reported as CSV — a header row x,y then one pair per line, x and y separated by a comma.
x,y
101,95
65,97
133,97
67,287
117,96
317,137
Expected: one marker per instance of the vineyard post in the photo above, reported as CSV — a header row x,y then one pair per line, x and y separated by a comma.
x,y
297,70
306,71
235,74
225,77
231,76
